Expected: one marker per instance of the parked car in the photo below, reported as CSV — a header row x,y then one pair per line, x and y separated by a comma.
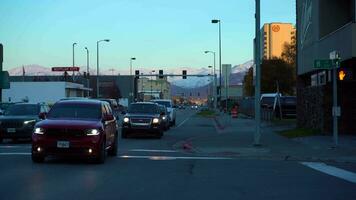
x,y
269,100
164,117
19,119
143,117
171,111
84,128
289,107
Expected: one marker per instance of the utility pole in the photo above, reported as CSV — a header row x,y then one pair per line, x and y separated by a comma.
x,y
1,60
257,135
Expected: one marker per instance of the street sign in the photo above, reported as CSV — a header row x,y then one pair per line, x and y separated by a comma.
x,y
4,80
325,64
64,69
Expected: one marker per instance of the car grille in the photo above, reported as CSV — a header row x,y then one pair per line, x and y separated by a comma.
x,y
143,121
11,124
64,132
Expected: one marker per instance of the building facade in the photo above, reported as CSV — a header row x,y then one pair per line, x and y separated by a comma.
x,y
273,38
159,88
323,27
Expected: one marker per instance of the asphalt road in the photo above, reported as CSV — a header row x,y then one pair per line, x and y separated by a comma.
x,y
148,168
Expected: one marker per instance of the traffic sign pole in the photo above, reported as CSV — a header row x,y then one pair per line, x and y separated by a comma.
x,y
335,104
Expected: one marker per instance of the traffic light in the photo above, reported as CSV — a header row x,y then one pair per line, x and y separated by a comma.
x,y
160,74
345,74
184,74
137,74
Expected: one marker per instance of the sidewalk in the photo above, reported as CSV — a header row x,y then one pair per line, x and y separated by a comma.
x,y
235,138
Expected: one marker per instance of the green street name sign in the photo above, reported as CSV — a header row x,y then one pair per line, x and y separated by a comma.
x,y
325,64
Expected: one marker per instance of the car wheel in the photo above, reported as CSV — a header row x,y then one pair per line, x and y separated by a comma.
x,y
124,134
159,134
102,154
113,150
37,158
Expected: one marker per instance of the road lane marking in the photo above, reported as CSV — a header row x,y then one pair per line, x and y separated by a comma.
x,y
14,146
333,171
179,125
15,153
174,157
153,150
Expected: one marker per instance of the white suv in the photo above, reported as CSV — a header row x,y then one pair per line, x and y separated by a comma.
x,y
171,111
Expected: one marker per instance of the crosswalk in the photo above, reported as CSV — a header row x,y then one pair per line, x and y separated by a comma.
x,y
170,154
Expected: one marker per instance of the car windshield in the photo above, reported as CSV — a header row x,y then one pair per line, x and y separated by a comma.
x,y
75,111
22,109
164,103
144,108
267,100
290,100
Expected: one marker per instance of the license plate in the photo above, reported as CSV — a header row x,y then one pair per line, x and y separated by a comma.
x,y
62,144
11,130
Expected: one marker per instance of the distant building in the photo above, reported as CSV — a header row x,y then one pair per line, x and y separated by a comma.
x,y
37,92
159,88
324,27
273,38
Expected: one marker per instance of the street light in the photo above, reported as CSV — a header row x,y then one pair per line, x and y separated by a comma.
x,y
131,85
73,45
257,135
131,59
88,82
97,65
151,81
217,21
214,81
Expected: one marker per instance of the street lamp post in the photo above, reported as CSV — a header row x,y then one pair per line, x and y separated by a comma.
x,y
73,45
151,82
217,21
131,59
214,82
88,82
133,82
97,65
257,134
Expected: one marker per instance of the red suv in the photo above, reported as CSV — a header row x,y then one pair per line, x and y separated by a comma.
x,y
76,128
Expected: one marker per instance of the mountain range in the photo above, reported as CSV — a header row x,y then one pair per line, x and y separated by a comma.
x,y
236,77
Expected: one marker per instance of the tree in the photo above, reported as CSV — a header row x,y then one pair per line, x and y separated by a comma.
x,y
289,53
277,70
248,83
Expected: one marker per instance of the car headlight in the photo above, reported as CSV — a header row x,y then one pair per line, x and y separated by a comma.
x,y
126,119
155,120
29,121
164,118
91,132
39,131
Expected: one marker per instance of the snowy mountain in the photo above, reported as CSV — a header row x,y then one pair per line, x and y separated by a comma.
x,y
242,67
237,73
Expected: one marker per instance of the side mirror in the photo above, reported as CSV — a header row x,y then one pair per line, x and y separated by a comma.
x,y
42,115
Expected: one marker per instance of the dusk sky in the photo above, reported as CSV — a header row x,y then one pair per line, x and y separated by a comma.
x,y
159,33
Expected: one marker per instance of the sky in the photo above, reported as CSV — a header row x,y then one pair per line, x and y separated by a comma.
x,y
158,33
